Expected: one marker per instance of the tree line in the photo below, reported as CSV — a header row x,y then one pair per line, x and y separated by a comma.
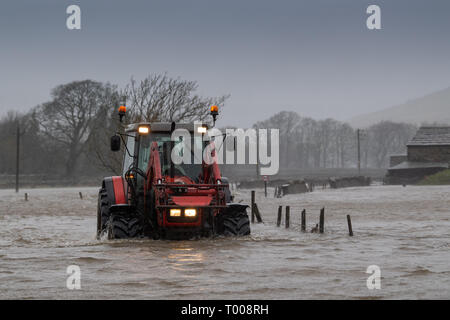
x,y
68,136
328,143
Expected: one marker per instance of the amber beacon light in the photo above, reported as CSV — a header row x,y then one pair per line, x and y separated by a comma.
x,y
122,112
214,112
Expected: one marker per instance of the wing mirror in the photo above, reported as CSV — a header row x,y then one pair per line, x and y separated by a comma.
x,y
115,143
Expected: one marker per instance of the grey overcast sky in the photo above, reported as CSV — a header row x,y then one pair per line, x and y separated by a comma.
x,y
316,57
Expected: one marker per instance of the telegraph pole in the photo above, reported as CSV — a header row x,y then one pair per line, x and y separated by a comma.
x,y
359,151
17,157
257,154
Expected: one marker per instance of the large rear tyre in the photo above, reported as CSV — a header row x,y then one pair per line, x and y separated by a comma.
x,y
124,227
236,222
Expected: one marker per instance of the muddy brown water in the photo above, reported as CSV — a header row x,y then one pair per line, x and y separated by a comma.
x,y
403,230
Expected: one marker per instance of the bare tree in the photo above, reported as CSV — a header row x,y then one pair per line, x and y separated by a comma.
x,y
161,98
69,117
157,98
346,144
388,137
287,122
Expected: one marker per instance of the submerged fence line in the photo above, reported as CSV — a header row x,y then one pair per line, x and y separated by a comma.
x,y
80,194
318,228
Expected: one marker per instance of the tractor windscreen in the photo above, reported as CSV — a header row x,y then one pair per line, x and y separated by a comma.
x,y
183,149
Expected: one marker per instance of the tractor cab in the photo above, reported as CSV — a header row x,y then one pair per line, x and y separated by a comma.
x,y
190,147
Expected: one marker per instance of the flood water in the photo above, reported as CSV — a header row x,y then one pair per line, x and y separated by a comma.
x,y
403,230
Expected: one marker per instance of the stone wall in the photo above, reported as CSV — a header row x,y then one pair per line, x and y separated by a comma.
x,y
429,153
359,181
410,176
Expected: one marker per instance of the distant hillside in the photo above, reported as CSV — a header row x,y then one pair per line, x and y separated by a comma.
x,y
431,108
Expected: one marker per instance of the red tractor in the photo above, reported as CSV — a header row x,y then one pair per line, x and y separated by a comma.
x,y
157,198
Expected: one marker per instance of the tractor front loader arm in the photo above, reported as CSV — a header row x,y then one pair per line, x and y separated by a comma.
x,y
154,175
211,171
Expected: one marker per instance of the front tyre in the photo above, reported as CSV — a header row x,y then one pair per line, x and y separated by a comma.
x,y
124,227
235,221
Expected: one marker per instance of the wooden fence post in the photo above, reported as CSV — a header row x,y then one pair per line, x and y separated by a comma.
x,y
288,213
253,206
265,188
257,213
349,222
304,220
322,220
280,209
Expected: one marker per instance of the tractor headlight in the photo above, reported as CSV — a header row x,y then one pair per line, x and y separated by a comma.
x,y
201,129
143,130
190,212
175,212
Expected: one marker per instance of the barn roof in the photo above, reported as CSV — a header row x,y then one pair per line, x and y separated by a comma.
x,y
431,136
416,165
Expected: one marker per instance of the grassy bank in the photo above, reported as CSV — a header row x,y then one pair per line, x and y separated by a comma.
x,y
440,178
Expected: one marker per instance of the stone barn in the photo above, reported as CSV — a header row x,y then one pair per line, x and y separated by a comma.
x,y
427,153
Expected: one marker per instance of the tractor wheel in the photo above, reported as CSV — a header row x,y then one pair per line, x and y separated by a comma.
x,y
124,227
102,212
236,223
